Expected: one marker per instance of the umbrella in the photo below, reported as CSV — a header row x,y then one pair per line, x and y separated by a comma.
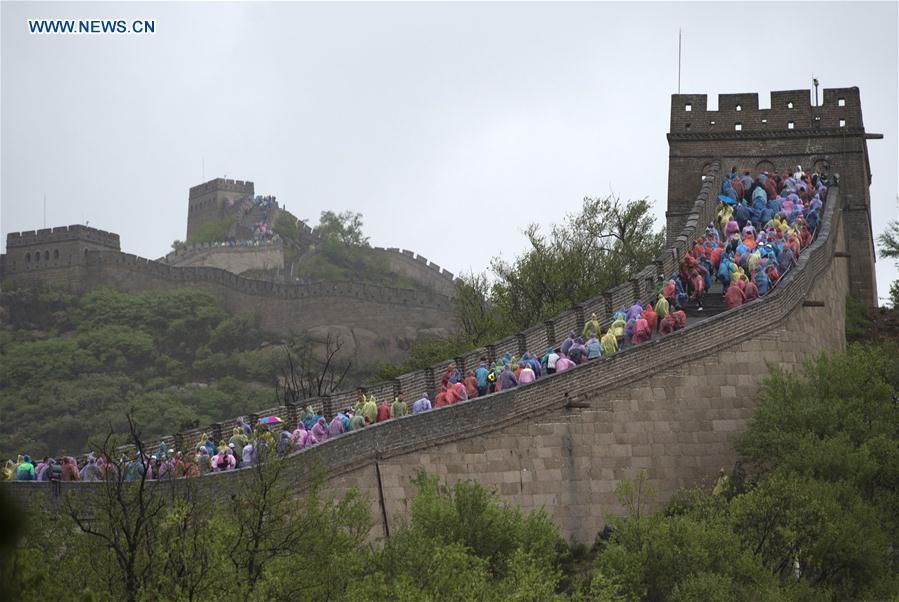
x,y
270,420
726,199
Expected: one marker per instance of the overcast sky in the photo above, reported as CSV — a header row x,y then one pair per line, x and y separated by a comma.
x,y
450,127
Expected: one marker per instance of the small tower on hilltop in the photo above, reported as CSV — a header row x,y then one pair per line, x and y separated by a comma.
x,y
215,200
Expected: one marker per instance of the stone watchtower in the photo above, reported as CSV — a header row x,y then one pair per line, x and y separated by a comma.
x,y
214,200
57,256
830,137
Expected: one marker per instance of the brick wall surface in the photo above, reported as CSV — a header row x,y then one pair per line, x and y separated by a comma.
x,y
565,442
673,406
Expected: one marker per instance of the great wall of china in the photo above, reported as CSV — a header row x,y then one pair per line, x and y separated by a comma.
x,y
673,406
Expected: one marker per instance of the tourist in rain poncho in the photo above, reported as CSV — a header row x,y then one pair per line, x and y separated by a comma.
x,y
761,280
618,326
642,331
721,484
471,385
383,411
594,348
9,471
320,430
609,343
335,428
734,297
370,410
651,317
222,461
310,418
161,452
750,292
40,471
566,344
25,469
300,437
592,325
452,374
666,326
634,311
69,469
440,399
456,393
578,351
91,472
248,456
533,364
629,330
357,421
549,360
344,419
421,405
662,307
526,375
773,276
563,364
399,408
238,439
481,375
285,445
680,295
136,469
243,426
680,319
507,380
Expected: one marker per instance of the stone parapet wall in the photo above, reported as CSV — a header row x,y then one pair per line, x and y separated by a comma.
x,y
673,406
236,259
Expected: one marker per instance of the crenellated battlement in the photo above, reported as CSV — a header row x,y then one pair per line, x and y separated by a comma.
x,y
790,111
62,234
222,184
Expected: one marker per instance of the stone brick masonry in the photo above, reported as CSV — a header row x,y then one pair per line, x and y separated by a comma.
x,y
674,406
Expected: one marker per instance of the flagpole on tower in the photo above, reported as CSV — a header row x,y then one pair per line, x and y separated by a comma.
x,y
678,58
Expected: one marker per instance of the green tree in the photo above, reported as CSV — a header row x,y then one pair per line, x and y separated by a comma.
x,y
593,250
344,228
888,245
601,246
826,437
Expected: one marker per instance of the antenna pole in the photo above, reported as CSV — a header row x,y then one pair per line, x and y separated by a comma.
x,y
678,59
203,159
45,210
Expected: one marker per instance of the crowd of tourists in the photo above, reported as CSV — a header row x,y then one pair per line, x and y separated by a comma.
x,y
761,227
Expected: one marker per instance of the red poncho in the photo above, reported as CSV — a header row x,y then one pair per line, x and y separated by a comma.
x,y
383,411
666,326
734,297
642,331
650,316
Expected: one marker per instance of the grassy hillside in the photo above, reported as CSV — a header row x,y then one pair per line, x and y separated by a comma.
x,y
70,367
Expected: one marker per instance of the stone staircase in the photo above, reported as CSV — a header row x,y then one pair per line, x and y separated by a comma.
x,y
712,305
244,227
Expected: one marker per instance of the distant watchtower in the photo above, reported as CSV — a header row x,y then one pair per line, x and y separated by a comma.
x,y
214,200
55,256
830,137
